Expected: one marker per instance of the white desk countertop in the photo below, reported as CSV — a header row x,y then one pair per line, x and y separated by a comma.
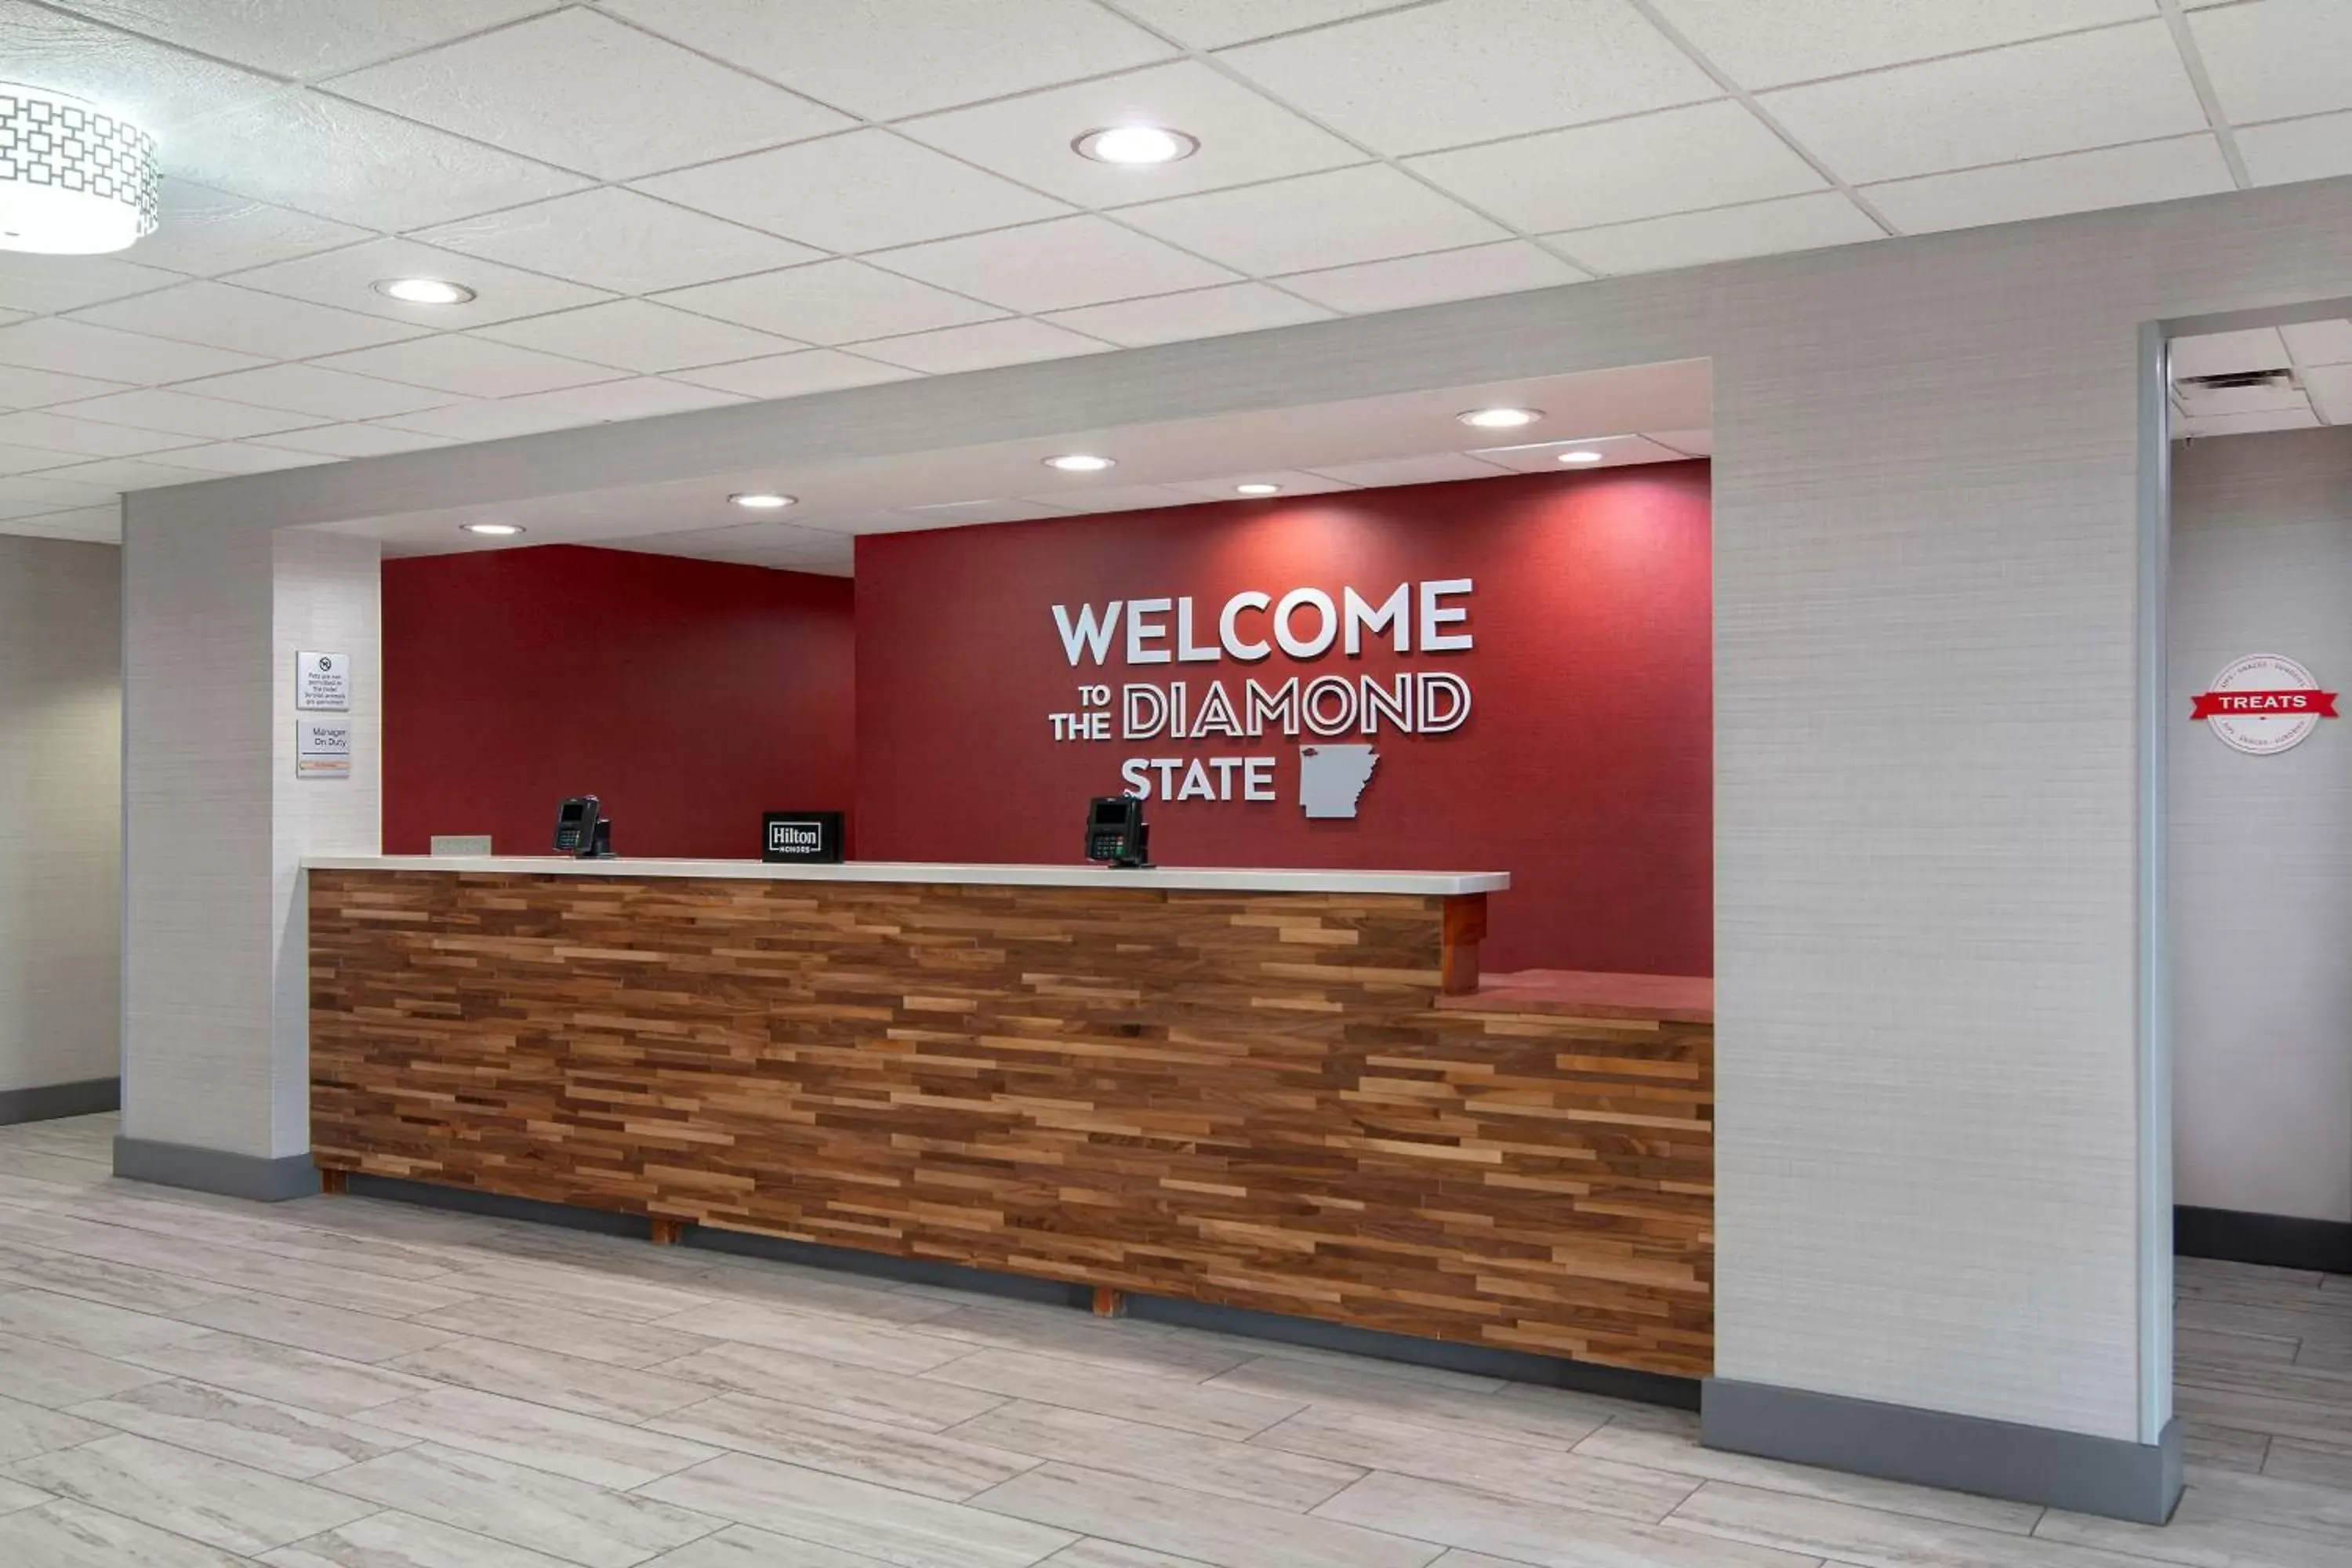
x,y
1169,879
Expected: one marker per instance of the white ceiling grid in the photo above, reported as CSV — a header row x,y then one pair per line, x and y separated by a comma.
x,y
671,203
2316,388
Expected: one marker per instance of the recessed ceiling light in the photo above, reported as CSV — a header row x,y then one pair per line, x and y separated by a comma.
x,y
1135,145
77,180
1080,463
495,530
1581,455
1257,490
422,290
761,501
1499,418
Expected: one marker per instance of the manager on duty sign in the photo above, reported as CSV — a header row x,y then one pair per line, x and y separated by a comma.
x,y
2263,703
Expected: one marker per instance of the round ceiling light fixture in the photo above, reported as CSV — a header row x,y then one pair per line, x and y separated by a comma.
x,y
762,501
422,290
1581,455
1136,146
74,180
1257,490
1499,418
1081,463
494,529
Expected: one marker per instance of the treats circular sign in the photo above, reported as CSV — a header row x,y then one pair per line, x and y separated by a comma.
x,y
2263,703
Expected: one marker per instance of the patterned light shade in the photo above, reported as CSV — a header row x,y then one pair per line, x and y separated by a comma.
x,y
73,180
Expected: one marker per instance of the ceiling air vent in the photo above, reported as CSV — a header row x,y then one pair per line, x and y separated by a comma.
x,y
2240,380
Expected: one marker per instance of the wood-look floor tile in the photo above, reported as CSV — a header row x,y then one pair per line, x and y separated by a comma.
x,y
2213,1345
948,1468
84,1325
2316,1322
812,1333
523,1507
284,1372
1076,1335
804,1290
1681,1456
740,1546
1301,1382
330,1331
1216,1531
397,1539
2195,1541
1870,1538
100,1280
549,1377
28,1429
38,1373
1133,1396
1219,1466
858,1391
599,1294
2317,1422
230,1506
616,1341
284,1439
583,1447
74,1535
2222,1448
1533,1532
16,1494
2321,1464
1521,1470
857,1516
1113,1554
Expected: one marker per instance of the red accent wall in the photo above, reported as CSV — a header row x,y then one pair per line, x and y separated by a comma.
x,y
690,695
1585,769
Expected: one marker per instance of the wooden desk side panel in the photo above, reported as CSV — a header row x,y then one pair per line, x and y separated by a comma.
x,y
1242,1098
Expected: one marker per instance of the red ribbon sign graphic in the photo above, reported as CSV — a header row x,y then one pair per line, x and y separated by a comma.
x,y
2298,704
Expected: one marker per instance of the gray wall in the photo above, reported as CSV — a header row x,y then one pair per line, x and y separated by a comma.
x,y
2261,846
60,811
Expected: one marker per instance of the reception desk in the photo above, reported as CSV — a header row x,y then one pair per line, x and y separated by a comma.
x,y
1281,1090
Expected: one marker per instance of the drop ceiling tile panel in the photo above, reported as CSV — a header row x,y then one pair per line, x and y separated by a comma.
x,y
468,366
2331,389
207,232
346,278
884,58
39,492
186,413
1800,40
2319,343
23,388
119,474
2029,101
2315,149
825,302
1438,468
617,239
641,397
92,525
951,514
1708,156
78,348
2201,401
2224,353
1725,234
1481,269
1056,265
2045,187
794,375
1245,136
42,284
859,192
357,165
1115,498
489,421
356,440
1199,313
2300,418
1543,457
1294,482
1214,23
639,335
1470,70
306,38
159,87
583,92
981,346
325,393
1316,221
243,457
87,438
32,459
2279,59
1689,443
224,316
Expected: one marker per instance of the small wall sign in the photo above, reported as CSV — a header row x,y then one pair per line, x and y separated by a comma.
x,y
2263,703
323,750
322,682
814,836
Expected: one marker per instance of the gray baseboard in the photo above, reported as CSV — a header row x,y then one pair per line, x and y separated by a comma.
x,y
2106,1476
215,1170
46,1102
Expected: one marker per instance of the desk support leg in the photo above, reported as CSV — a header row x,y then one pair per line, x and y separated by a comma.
x,y
1109,1303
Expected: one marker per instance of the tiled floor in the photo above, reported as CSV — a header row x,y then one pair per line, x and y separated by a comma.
x,y
189,1383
